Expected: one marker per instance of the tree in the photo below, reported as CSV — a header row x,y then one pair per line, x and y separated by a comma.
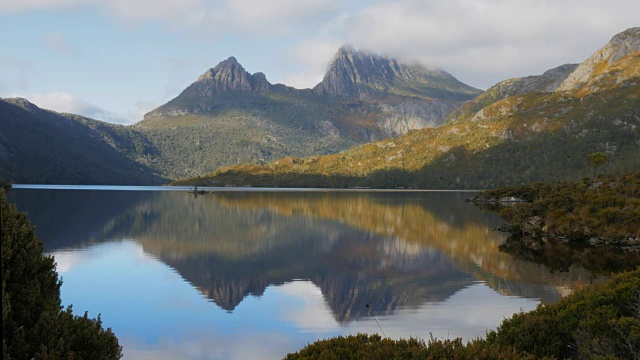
x,y
596,160
34,324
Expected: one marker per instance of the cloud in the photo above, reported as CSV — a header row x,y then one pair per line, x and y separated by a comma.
x,y
483,41
313,57
67,103
258,17
57,43
142,107
174,12
313,314
274,16
9,7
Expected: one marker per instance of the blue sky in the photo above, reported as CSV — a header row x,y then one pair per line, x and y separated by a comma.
x,y
114,60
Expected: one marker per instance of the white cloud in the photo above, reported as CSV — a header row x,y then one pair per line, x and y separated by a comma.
x,y
480,42
64,102
67,260
485,41
313,56
258,17
17,6
314,315
274,16
142,107
174,12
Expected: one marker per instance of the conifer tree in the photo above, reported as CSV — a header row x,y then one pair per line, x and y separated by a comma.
x,y
34,324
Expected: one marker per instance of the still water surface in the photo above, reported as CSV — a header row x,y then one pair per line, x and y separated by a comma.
x,y
258,274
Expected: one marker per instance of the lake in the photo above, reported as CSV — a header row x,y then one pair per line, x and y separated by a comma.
x,y
253,273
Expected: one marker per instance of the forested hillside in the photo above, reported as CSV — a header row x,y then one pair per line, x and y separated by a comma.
x,y
511,139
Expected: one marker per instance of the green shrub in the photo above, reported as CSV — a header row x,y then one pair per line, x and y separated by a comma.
x,y
600,322
34,325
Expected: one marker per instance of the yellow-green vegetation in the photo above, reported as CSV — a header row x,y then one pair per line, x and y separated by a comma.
x,y
601,321
517,140
34,324
601,211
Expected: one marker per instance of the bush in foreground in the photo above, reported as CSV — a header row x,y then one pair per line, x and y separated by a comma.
x,y
602,321
34,324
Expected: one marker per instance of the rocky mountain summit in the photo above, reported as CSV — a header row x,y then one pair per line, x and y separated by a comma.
x,y
229,75
228,78
547,82
229,116
614,63
402,96
361,74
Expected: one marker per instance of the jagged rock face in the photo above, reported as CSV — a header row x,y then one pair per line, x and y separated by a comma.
x,y
412,114
546,83
361,74
227,77
623,45
23,103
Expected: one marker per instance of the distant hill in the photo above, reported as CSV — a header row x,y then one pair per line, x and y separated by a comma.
x,y
521,130
229,116
40,146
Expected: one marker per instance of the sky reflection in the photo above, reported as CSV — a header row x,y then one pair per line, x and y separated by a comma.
x,y
158,315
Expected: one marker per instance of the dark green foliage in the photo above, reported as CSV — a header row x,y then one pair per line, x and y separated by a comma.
x,y
33,322
363,346
559,256
599,322
596,160
606,209
44,147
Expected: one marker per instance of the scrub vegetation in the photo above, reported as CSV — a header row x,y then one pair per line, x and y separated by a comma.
x,y
593,211
599,322
34,323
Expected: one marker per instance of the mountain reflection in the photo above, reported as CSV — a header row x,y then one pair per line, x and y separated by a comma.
x,y
389,250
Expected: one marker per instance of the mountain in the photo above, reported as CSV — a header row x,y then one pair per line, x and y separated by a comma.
x,y
229,116
609,66
364,75
40,146
519,131
548,82
213,87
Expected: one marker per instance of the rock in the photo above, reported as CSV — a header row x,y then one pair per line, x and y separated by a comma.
x,y
511,199
594,68
548,82
361,74
532,226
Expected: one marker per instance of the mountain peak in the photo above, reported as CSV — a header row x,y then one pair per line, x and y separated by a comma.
x,y
22,102
622,51
364,74
227,77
